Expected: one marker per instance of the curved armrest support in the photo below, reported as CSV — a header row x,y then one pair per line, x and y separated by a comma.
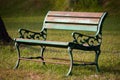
x,y
32,35
86,40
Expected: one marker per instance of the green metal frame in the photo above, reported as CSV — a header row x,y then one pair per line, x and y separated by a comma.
x,y
18,52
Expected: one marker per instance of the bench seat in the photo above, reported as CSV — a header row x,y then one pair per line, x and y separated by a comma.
x,y
56,44
42,42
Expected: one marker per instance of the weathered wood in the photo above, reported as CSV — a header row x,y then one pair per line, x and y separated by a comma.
x,y
88,21
72,20
41,42
76,14
70,27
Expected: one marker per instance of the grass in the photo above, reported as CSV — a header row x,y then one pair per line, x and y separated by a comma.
x,y
109,59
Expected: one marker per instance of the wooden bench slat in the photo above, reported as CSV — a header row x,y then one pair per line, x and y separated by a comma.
x,y
41,42
75,14
70,27
72,20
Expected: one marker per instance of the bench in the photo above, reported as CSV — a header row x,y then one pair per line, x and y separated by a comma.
x,y
61,20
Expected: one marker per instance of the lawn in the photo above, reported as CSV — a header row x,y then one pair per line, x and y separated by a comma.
x,y
109,59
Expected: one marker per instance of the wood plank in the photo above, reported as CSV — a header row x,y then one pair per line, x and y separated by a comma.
x,y
41,42
70,27
75,14
72,20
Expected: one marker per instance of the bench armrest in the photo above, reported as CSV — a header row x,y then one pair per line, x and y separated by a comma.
x,y
31,35
86,40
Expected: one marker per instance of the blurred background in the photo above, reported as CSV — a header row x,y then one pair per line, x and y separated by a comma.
x,y
10,8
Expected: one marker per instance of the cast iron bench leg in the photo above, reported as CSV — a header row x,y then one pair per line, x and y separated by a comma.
x,y
71,61
96,60
42,55
18,51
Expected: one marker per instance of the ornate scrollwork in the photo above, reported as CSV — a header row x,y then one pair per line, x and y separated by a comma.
x,y
32,35
87,40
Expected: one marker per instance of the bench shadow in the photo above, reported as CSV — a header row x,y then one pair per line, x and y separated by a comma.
x,y
103,70
113,70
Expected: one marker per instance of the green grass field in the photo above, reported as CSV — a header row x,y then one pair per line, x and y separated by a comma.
x,y
109,59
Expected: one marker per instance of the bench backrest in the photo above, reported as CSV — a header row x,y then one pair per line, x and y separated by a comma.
x,y
88,21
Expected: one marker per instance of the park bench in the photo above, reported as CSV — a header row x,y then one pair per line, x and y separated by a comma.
x,y
72,21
